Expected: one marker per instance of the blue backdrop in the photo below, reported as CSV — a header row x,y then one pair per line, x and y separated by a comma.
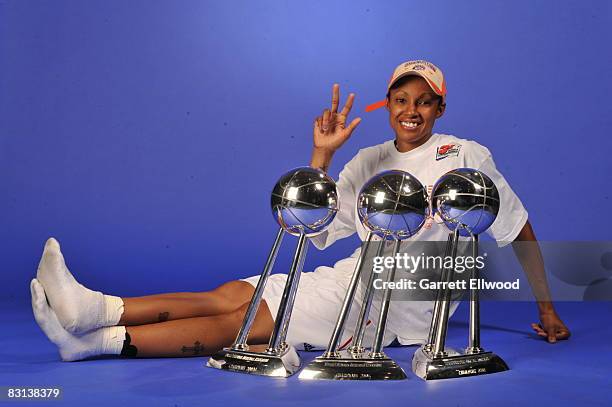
x,y
146,135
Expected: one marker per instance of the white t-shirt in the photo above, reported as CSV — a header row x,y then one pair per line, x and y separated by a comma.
x,y
428,162
409,320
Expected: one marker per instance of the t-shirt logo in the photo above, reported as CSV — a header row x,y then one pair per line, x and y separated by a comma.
x,y
447,150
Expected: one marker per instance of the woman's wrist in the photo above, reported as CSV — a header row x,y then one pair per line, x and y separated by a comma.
x,y
321,158
546,307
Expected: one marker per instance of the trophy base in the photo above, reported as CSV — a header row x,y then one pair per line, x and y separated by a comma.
x,y
456,365
348,367
257,361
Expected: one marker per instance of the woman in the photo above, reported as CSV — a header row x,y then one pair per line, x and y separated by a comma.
x,y
84,323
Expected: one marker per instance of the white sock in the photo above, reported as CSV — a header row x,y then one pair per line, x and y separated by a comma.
x,y
103,341
78,308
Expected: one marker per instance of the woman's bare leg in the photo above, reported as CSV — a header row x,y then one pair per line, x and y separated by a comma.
x,y
179,338
196,336
171,306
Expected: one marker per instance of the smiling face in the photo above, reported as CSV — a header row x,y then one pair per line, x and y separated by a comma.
x,y
413,109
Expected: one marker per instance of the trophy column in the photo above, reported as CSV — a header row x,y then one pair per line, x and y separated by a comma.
x,y
281,322
241,339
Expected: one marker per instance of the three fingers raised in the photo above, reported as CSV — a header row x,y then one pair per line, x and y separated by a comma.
x,y
330,119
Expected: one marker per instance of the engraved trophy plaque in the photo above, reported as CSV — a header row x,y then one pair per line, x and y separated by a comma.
x,y
304,203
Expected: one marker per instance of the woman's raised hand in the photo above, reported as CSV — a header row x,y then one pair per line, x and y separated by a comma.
x,y
330,129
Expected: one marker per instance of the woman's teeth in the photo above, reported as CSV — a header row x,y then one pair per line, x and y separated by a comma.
x,y
409,125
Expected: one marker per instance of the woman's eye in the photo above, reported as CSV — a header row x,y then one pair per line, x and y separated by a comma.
x,y
424,102
400,100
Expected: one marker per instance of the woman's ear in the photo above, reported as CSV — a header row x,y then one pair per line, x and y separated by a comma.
x,y
387,103
441,109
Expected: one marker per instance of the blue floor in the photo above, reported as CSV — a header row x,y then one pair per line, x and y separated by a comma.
x,y
574,372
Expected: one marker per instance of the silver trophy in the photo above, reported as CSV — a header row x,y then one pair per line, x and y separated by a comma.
x,y
304,203
468,202
393,206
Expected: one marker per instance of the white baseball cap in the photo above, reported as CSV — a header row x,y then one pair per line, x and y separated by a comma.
x,y
425,69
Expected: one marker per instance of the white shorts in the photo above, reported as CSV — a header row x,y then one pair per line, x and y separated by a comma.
x,y
319,299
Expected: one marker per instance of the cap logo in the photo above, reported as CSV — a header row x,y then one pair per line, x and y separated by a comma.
x,y
418,67
421,61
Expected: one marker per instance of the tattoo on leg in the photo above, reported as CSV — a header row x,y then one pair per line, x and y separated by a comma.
x,y
197,348
128,350
163,316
